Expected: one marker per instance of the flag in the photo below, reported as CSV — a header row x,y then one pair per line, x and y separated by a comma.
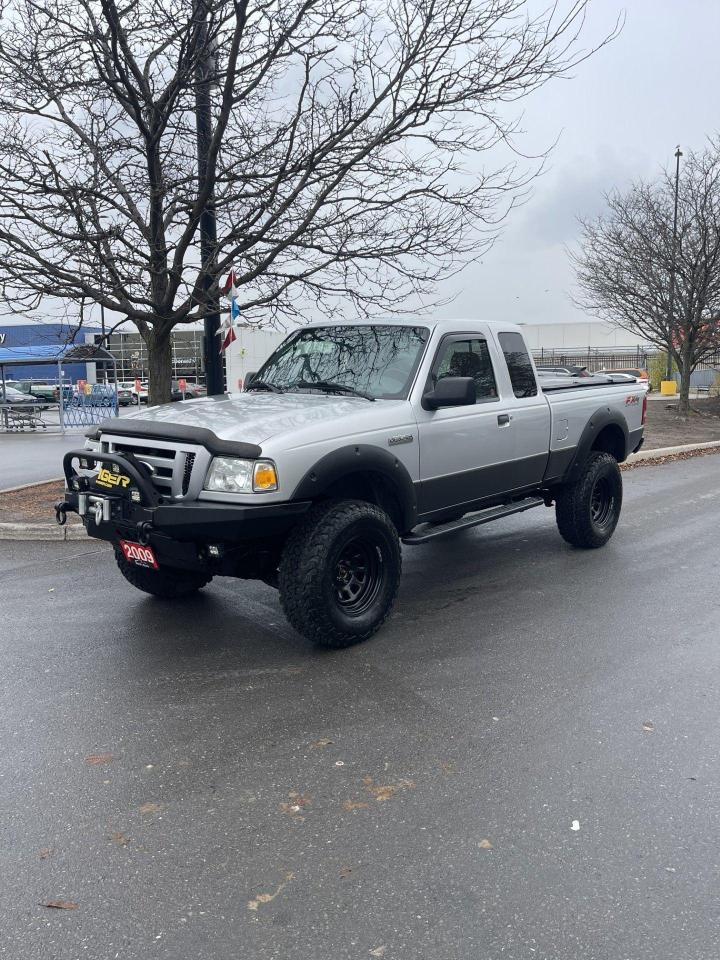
x,y
227,331
229,288
230,337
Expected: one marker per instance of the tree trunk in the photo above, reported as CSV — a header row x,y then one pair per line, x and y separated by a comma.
x,y
685,372
159,365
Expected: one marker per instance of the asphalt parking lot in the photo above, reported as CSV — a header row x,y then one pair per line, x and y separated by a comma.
x,y
522,764
32,458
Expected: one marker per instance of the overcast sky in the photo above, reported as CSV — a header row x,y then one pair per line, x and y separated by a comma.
x,y
619,118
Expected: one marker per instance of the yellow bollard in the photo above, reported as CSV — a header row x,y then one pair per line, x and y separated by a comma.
x,y
668,388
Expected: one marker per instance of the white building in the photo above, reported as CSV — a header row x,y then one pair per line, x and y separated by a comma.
x,y
248,353
580,337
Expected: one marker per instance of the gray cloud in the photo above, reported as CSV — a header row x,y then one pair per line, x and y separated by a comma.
x,y
621,117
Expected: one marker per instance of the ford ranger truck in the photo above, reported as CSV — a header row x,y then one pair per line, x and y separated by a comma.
x,y
351,440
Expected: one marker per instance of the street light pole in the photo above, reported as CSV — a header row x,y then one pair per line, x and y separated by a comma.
x,y
671,303
208,224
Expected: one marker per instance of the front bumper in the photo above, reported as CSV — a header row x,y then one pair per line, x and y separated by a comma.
x,y
180,532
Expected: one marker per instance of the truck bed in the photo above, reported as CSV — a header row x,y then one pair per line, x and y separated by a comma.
x,y
576,402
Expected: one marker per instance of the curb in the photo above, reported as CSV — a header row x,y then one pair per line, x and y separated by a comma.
x,y
660,452
51,531
29,486
41,531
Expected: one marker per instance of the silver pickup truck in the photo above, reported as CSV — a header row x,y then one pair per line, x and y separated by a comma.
x,y
349,440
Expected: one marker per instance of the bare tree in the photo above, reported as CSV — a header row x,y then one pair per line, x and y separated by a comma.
x,y
625,263
338,151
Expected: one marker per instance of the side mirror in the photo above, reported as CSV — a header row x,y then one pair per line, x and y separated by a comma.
x,y
249,379
450,392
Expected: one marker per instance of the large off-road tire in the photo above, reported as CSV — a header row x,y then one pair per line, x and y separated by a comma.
x,y
340,572
588,510
166,583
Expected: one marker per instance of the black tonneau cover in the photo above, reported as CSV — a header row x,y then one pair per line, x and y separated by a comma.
x,y
558,382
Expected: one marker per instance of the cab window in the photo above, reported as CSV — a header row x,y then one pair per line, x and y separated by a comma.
x,y
519,365
470,357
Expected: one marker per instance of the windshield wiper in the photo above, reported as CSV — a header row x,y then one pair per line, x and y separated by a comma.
x,y
264,385
329,386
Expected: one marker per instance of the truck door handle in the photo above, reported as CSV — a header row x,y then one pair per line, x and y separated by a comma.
x,y
504,419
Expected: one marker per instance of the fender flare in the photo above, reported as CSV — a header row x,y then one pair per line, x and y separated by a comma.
x,y
603,417
359,459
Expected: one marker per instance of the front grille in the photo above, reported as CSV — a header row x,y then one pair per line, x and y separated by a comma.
x,y
172,468
160,461
187,472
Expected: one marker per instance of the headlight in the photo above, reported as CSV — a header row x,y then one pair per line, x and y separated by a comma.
x,y
231,475
93,446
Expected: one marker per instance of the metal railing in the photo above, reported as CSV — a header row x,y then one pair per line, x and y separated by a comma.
x,y
592,358
86,408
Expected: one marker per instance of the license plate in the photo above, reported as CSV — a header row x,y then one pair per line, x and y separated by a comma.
x,y
139,554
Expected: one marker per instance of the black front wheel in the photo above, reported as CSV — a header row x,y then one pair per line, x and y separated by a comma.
x,y
588,510
166,583
340,572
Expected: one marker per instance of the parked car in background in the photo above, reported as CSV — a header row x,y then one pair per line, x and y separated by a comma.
x,y
40,389
125,394
21,401
68,392
637,373
194,390
99,395
191,392
131,387
569,371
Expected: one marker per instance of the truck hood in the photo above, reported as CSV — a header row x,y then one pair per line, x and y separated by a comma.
x,y
257,417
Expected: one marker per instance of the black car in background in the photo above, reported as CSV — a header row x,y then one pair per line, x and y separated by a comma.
x,y
20,401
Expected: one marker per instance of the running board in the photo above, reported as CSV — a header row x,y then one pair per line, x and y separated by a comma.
x,y
428,532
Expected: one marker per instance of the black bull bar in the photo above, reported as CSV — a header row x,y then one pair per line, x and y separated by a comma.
x,y
138,472
145,514
81,491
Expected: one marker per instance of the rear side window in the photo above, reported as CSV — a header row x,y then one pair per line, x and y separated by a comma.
x,y
519,365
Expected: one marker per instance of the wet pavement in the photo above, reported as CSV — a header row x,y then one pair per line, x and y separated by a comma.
x,y
34,457
522,764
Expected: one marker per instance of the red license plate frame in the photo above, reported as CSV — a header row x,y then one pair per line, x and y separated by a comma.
x,y
139,554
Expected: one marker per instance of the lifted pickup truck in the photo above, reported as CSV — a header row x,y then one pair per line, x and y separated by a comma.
x,y
349,440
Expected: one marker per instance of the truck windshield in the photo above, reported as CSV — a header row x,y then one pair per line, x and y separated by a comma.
x,y
375,360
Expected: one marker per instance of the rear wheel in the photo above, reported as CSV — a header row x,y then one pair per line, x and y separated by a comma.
x,y
166,583
340,572
588,510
